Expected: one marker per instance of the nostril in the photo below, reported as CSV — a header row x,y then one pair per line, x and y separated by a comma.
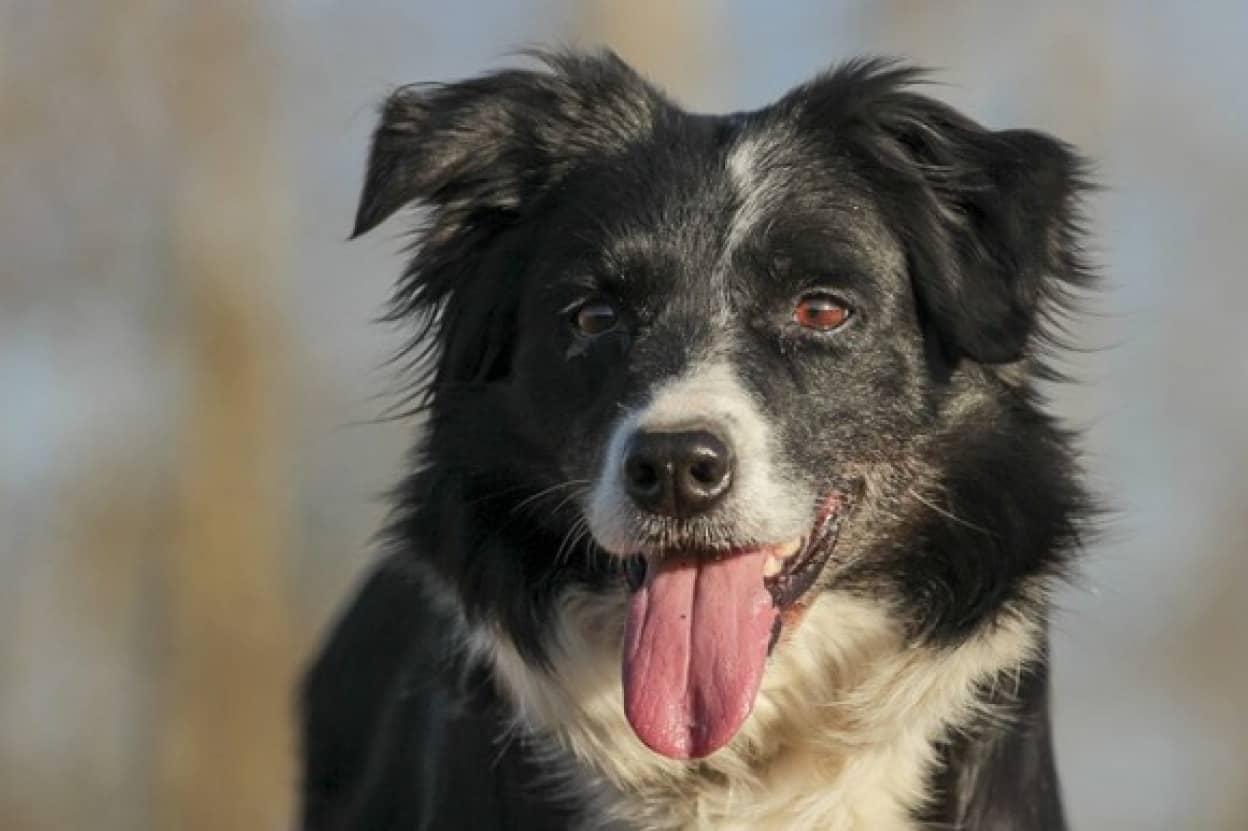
x,y
642,473
707,472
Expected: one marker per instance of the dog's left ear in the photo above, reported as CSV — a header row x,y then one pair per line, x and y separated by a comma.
x,y
1009,241
989,218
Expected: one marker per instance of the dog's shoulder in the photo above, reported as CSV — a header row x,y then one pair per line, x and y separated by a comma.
x,y
398,733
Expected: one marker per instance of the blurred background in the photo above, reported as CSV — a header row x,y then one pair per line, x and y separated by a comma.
x,y
190,378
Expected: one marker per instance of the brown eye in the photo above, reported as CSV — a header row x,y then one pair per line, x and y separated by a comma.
x,y
596,317
820,313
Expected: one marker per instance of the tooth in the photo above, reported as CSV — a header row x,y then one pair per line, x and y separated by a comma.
x,y
789,549
772,567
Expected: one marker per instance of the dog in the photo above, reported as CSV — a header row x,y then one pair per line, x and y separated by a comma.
x,y
736,503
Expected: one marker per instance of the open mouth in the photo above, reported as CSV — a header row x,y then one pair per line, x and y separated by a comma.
x,y
700,628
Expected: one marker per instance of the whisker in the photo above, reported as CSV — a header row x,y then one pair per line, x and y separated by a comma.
x,y
550,491
574,536
949,514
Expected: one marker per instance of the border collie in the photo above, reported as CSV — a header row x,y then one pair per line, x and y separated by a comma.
x,y
736,505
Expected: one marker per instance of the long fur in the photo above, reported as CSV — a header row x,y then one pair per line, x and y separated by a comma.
x,y
475,682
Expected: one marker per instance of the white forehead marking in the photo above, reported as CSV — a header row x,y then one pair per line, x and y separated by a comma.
x,y
741,162
757,189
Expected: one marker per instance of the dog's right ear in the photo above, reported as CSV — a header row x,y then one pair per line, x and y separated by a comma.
x,y
447,145
490,145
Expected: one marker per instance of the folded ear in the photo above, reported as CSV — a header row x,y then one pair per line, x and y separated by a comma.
x,y
1010,242
989,219
491,144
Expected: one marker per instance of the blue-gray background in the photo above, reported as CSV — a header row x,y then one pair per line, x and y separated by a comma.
x,y
190,466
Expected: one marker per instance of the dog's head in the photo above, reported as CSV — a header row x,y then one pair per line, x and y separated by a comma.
x,y
708,339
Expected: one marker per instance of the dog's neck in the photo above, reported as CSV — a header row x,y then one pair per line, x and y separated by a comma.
x,y
1001,774
851,729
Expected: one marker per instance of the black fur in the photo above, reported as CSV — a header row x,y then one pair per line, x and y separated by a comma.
x,y
1000,772
403,734
956,243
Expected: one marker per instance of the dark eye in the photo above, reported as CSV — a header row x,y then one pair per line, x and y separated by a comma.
x,y
820,312
597,317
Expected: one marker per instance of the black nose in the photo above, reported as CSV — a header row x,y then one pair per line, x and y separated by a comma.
x,y
677,474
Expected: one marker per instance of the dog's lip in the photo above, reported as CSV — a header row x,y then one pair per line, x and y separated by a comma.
x,y
802,567
791,568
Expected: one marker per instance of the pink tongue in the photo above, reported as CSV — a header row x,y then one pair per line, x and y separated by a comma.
x,y
694,651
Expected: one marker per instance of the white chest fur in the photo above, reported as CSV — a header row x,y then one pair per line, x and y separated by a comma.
x,y
842,736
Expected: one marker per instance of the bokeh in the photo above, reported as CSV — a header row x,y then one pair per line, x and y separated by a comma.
x,y
192,448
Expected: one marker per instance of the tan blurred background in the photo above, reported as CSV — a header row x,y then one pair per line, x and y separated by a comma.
x,y
189,375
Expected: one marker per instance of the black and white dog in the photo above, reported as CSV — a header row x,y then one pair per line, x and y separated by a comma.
x,y
737,506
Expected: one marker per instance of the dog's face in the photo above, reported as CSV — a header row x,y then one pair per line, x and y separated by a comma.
x,y
723,351
719,346
704,333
